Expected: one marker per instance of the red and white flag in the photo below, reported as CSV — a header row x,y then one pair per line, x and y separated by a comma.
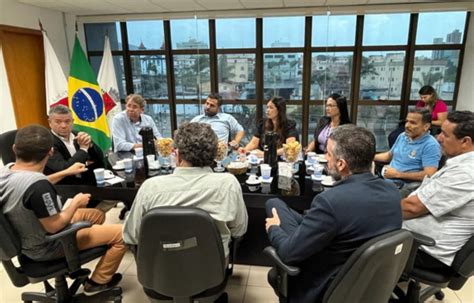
x,y
108,83
56,83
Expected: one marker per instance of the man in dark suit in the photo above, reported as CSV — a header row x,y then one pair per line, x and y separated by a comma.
x,y
71,147
358,208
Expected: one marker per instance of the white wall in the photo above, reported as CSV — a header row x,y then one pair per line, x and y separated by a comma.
x,y
466,87
26,16
7,117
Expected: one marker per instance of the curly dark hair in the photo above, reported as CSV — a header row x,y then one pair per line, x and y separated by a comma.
x,y
196,143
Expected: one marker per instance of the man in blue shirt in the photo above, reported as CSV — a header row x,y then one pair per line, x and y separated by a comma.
x,y
224,125
127,124
415,154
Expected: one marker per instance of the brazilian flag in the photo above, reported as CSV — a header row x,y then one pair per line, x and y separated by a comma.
x,y
85,100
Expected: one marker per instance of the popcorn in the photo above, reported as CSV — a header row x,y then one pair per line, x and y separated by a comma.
x,y
221,150
164,146
291,151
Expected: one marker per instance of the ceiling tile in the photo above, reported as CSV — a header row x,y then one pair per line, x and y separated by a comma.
x,y
263,3
179,5
220,4
300,3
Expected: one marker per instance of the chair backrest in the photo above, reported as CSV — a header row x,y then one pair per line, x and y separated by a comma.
x,y
10,245
179,252
372,271
6,142
463,265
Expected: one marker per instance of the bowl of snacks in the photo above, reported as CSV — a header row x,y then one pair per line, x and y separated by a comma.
x,y
291,151
237,167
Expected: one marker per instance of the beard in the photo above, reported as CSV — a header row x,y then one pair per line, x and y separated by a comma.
x,y
209,113
334,173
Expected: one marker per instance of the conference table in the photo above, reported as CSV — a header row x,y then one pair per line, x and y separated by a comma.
x,y
299,197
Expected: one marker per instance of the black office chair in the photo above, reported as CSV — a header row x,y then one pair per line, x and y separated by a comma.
x,y
6,143
454,278
31,271
180,257
369,275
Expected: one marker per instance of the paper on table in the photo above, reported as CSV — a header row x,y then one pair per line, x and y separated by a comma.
x,y
114,180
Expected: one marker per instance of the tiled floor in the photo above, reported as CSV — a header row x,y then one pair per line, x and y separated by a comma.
x,y
247,285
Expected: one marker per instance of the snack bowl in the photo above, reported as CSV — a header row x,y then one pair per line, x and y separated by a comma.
x,y
237,167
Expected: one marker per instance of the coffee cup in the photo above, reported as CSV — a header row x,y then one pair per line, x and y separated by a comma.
x,y
128,165
318,171
311,156
150,159
253,157
266,171
252,179
139,152
99,174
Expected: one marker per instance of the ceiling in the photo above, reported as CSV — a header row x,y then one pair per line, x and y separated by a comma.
x,y
124,7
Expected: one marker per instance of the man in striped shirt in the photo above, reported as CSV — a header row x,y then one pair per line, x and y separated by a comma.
x,y
443,206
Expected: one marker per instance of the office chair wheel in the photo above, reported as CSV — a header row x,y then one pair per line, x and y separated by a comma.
x,y
439,295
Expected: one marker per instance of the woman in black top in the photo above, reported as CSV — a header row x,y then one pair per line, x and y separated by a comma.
x,y
276,121
336,114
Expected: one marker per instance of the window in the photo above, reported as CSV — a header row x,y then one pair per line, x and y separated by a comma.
x,y
149,76
386,29
372,64
440,28
381,120
192,76
190,34
333,30
436,68
283,76
283,32
161,115
235,33
331,73
246,115
233,85
246,81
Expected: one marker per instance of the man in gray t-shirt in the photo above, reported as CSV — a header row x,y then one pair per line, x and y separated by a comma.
x,y
443,206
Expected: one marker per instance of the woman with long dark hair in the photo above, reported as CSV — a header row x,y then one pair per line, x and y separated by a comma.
x,y
336,114
275,121
437,107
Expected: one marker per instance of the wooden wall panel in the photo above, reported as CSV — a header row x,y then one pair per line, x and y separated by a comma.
x,y
23,54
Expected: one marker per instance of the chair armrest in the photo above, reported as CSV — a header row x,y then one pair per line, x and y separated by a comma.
x,y
422,239
68,230
67,238
290,270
